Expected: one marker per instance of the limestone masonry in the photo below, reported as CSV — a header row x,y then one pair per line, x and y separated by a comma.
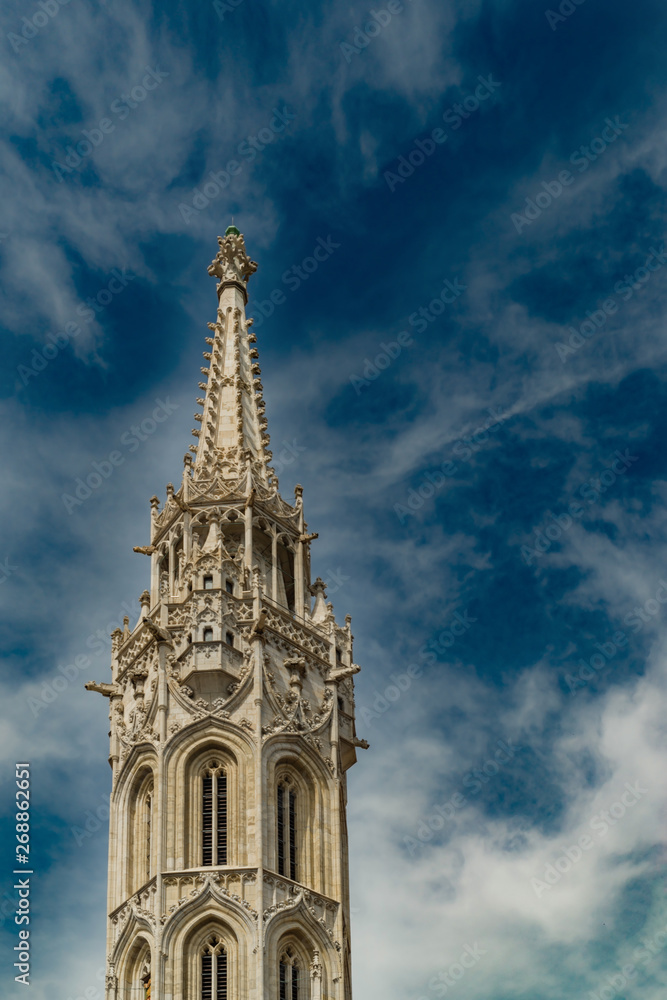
x,y
232,721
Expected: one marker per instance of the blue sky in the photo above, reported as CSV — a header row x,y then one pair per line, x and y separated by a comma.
x,y
486,468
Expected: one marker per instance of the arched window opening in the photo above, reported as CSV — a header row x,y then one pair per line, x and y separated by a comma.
x,y
293,979
214,970
229,638
287,829
208,583
139,855
214,815
148,833
208,635
229,586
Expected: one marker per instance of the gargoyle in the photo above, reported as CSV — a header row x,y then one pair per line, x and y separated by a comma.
x,y
258,626
340,673
159,633
182,504
106,689
146,550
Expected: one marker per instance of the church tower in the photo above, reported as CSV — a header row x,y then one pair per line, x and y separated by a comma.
x,y
232,720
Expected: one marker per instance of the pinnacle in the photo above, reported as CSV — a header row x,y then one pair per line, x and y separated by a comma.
x,y
233,430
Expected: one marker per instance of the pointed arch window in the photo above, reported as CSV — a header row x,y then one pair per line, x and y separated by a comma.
x,y
214,815
293,982
148,833
213,970
287,829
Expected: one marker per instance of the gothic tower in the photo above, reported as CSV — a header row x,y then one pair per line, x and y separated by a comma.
x,y
232,721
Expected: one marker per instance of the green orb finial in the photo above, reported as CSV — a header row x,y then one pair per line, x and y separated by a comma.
x,y
232,231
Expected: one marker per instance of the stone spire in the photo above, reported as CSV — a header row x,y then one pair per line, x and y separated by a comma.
x,y
232,433
232,714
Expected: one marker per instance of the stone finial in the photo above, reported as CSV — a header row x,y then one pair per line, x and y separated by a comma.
x,y
231,263
318,589
145,602
116,639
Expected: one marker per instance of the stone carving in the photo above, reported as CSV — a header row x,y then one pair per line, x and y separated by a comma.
x,y
228,521
231,263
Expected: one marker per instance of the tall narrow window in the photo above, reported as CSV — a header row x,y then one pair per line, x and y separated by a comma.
x,y
214,815
292,835
281,830
148,830
221,795
293,983
207,977
214,970
207,820
287,830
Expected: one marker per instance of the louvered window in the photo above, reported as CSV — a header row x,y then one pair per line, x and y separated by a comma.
x,y
293,982
281,831
214,971
214,816
149,834
292,835
286,807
